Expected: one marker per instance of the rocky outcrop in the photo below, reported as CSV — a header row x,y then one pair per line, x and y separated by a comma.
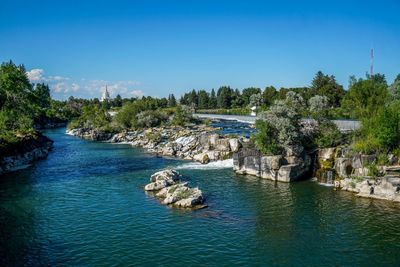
x,y
90,134
285,168
199,143
21,155
387,188
172,191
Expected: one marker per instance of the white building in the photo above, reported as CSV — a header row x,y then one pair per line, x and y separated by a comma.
x,y
105,95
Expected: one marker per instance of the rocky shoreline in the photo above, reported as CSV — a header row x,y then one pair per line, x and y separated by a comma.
x,y
198,142
21,155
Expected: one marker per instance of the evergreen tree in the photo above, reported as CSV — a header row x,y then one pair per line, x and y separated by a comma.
x,y
224,97
325,85
213,100
203,99
171,100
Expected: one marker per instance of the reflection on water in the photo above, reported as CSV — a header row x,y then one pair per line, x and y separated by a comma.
x,y
85,206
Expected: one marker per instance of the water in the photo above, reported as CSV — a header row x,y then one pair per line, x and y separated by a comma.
x,y
85,206
234,127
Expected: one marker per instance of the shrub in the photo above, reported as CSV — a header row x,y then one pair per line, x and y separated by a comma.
x,y
182,116
328,135
266,138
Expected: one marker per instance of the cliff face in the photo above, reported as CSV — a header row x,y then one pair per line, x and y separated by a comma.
x,y
24,153
285,168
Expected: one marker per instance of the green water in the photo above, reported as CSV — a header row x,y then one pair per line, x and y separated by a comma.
x,y
85,206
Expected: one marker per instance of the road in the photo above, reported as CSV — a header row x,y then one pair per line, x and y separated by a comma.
x,y
343,125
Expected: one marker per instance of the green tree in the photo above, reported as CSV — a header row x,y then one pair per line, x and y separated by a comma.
x,y
171,100
224,97
269,95
365,97
213,100
247,93
325,85
203,99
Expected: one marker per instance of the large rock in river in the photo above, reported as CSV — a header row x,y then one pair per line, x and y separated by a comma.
x,y
162,179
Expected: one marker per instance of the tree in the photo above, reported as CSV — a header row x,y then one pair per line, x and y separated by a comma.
x,y
42,95
203,99
394,88
117,101
365,97
256,100
247,93
269,95
284,118
325,85
318,106
213,100
224,97
266,138
171,100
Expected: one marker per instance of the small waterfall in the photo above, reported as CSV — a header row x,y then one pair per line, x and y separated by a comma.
x,y
329,177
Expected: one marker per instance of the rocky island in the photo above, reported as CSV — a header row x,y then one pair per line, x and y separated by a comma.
x,y
167,186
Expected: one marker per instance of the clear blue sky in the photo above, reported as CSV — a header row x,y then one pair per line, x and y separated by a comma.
x,y
160,47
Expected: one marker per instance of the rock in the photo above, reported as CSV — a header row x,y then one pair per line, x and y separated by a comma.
x,y
202,158
343,167
165,175
212,139
162,179
222,145
185,141
327,153
292,172
22,154
155,186
234,144
173,192
270,166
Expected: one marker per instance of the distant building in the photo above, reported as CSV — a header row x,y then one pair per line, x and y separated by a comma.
x,y
105,95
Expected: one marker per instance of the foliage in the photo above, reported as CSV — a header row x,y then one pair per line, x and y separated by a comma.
x,y
256,100
266,138
366,97
285,117
380,132
318,106
325,85
182,116
328,135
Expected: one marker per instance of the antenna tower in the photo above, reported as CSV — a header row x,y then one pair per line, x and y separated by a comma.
x,y
371,70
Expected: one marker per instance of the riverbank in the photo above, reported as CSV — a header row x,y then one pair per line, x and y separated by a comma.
x,y
200,143
23,153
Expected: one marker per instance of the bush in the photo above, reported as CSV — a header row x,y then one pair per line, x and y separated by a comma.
x,y
266,138
328,135
380,132
149,118
182,116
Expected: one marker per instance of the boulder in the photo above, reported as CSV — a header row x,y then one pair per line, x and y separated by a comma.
x,y
222,145
162,179
234,144
202,158
290,172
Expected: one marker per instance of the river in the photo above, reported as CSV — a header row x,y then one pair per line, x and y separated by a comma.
x,y
85,206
